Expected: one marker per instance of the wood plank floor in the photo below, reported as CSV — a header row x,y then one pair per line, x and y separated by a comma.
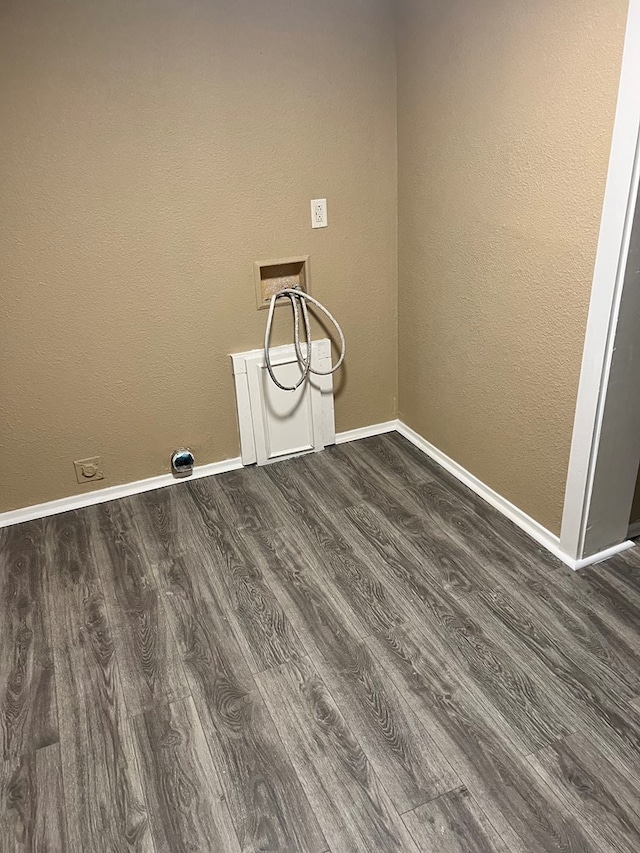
x,y
347,651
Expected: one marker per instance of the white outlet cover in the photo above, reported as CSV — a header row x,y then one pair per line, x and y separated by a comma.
x,y
319,218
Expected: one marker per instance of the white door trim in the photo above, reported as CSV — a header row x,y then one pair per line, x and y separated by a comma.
x,y
611,258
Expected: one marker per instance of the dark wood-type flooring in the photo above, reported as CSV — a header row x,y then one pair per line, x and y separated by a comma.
x,y
347,651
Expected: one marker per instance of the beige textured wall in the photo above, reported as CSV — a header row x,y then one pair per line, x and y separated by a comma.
x,y
505,114
150,152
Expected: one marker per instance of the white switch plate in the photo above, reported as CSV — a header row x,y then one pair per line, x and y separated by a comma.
x,y
319,213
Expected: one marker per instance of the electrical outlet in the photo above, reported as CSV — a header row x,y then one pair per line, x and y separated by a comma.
x,y
88,470
319,217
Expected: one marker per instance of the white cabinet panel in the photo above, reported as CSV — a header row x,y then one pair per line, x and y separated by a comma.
x,y
276,424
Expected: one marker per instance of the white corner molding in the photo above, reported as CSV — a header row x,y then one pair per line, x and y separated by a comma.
x,y
367,432
600,556
608,280
530,526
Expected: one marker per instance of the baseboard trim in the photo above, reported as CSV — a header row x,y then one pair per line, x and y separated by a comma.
x,y
530,526
111,493
366,432
603,555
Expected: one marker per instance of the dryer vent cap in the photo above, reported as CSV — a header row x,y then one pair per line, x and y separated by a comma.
x,y
182,462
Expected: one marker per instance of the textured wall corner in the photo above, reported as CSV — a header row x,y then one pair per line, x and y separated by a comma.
x,y
505,114
149,154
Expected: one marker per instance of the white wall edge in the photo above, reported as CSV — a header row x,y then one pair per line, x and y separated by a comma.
x,y
529,525
608,277
634,530
366,432
111,493
602,555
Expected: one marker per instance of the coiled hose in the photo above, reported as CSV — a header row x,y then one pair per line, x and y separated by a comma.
x,y
299,300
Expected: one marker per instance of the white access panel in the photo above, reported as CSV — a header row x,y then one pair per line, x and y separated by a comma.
x,y
275,424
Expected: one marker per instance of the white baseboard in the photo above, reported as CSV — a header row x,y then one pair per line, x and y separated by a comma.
x,y
601,555
366,432
541,535
111,493
530,526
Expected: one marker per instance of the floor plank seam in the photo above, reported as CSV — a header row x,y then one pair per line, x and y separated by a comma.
x,y
260,692
409,712
145,793
65,779
466,848
378,784
551,744
284,605
453,789
318,578
567,804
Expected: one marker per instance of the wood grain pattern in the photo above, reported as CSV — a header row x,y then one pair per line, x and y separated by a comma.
x,y
187,809
104,801
511,795
370,580
474,507
199,522
322,618
520,690
512,680
593,616
453,823
263,629
399,747
325,545
394,454
616,584
150,669
324,469
436,524
267,804
32,806
243,491
402,753
28,718
596,788
446,565
354,811
414,652
582,622
607,601
597,695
